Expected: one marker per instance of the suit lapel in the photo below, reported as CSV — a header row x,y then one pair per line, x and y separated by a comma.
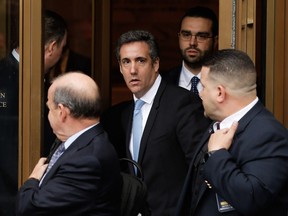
x,y
186,194
150,121
127,125
82,141
196,159
244,121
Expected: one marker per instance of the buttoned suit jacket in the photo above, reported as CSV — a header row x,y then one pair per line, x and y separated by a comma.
x,y
252,175
85,180
173,128
9,88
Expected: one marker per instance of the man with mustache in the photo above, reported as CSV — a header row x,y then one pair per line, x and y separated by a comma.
x,y
198,38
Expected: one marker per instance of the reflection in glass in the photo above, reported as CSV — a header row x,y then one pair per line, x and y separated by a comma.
x,y
9,94
76,54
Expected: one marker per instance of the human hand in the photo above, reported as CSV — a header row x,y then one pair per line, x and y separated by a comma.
x,y
222,138
39,169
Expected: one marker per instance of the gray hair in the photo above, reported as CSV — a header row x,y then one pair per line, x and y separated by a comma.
x,y
79,104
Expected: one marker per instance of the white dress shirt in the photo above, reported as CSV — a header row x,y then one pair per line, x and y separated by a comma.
x,y
148,98
185,77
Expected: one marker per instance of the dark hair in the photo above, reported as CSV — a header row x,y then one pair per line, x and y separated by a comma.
x,y
138,36
55,27
233,66
79,104
203,12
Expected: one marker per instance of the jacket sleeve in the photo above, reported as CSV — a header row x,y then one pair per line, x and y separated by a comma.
x,y
191,125
253,174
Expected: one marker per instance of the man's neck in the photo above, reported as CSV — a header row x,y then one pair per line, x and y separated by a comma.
x,y
193,68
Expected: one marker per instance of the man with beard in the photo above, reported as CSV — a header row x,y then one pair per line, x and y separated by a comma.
x,y
198,38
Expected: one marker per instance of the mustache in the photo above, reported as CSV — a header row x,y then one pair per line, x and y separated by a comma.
x,y
192,47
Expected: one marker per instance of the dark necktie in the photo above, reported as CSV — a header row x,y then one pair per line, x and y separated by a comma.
x,y
194,82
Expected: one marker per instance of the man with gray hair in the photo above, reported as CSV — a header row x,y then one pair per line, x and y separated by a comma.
x,y
82,177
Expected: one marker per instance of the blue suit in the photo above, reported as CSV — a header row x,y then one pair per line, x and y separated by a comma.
x,y
252,175
85,180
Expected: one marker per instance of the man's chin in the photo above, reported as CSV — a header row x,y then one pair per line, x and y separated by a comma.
x,y
194,63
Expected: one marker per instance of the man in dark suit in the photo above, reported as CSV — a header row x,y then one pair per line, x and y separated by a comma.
x,y
55,39
171,124
198,38
9,87
85,179
241,166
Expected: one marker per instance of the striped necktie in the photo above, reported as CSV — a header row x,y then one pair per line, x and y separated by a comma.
x,y
59,151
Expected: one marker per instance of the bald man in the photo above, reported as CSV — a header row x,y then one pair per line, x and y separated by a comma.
x,y
82,177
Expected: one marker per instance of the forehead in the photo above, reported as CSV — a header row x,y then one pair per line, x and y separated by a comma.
x,y
50,94
196,24
134,49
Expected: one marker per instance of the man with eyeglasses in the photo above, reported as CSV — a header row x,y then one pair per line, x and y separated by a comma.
x,y
198,38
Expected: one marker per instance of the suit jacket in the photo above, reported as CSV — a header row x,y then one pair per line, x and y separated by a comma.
x,y
252,175
85,180
172,76
9,87
173,128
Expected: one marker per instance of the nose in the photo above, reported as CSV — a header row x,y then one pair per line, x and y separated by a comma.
x,y
133,68
193,40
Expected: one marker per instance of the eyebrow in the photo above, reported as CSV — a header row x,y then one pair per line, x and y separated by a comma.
x,y
187,31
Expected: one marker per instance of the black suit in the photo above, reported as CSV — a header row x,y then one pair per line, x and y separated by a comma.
x,y
85,180
252,176
9,87
172,76
173,128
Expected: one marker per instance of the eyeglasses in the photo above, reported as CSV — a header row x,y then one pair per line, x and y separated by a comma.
x,y
200,37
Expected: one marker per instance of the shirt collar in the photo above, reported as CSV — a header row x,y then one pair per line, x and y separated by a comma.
x,y
187,76
72,138
15,54
227,122
150,94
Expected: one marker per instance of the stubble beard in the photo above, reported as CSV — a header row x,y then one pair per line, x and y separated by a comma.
x,y
196,61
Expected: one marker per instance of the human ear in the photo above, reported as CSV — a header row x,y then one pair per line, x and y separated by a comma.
x,y
63,112
120,68
50,47
156,64
221,93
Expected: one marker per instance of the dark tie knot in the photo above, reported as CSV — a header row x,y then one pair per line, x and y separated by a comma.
x,y
194,83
